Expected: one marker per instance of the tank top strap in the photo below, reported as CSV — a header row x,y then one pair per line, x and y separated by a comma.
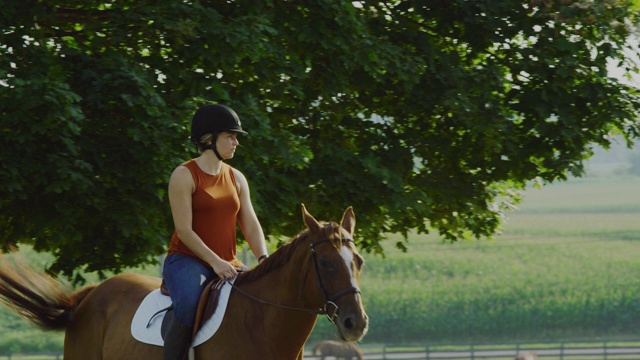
x,y
193,169
232,176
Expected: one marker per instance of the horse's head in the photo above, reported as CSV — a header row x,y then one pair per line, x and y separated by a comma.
x,y
337,265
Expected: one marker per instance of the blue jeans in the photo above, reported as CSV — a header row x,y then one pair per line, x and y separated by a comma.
x,y
185,278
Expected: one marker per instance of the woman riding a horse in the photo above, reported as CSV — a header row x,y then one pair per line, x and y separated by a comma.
x,y
275,304
208,199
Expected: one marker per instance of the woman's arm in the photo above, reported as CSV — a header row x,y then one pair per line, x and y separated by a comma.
x,y
248,219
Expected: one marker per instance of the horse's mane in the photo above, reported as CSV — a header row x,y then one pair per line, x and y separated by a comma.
x,y
281,256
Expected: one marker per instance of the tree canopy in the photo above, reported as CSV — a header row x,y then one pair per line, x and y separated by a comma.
x,y
423,115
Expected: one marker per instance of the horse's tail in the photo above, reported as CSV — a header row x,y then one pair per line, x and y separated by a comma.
x,y
316,348
37,297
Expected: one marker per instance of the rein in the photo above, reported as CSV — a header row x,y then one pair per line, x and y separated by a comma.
x,y
328,300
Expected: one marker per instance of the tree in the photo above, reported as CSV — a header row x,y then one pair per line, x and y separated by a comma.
x,y
423,115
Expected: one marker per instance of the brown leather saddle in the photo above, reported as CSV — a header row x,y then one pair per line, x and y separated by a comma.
x,y
207,304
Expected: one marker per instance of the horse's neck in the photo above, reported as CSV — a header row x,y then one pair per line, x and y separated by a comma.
x,y
291,285
290,297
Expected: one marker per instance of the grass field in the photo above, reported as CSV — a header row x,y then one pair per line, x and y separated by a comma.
x,y
566,266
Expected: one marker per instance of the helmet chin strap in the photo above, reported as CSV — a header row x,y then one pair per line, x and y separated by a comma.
x,y
215,151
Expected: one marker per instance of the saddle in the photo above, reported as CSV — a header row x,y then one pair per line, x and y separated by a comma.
x,y
207,304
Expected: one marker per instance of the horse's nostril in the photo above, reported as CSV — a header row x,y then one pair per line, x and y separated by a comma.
x,y
348,323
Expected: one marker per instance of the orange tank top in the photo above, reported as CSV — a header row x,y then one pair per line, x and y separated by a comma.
x,y
215,206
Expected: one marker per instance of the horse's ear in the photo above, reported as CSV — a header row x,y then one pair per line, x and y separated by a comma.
x,y
311,222
349,220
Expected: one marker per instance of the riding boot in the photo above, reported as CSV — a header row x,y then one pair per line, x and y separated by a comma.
x,y
177,338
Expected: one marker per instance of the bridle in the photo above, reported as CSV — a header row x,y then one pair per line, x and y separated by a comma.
x,y
329,300
330,308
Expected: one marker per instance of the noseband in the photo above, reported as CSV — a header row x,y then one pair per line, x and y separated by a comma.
x,y
330,308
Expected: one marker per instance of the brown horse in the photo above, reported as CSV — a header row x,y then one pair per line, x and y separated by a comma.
x,y
338,349
272,309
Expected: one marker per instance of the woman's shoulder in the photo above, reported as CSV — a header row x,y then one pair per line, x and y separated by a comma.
x,y
185,167
233,171
188,164
238,178
183,171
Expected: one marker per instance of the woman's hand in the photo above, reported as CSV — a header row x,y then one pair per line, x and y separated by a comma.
x,y
224,269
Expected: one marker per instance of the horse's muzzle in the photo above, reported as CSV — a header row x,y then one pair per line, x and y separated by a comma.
x,y
352,325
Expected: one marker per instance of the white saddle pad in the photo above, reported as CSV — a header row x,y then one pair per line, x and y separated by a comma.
x,y
155,302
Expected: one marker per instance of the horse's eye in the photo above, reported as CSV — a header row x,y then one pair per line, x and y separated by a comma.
x,y
327,265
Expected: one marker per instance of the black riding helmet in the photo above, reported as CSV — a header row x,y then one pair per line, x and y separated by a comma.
x,y
213,119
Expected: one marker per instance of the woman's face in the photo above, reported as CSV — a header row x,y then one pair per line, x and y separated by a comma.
x,y
226,144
